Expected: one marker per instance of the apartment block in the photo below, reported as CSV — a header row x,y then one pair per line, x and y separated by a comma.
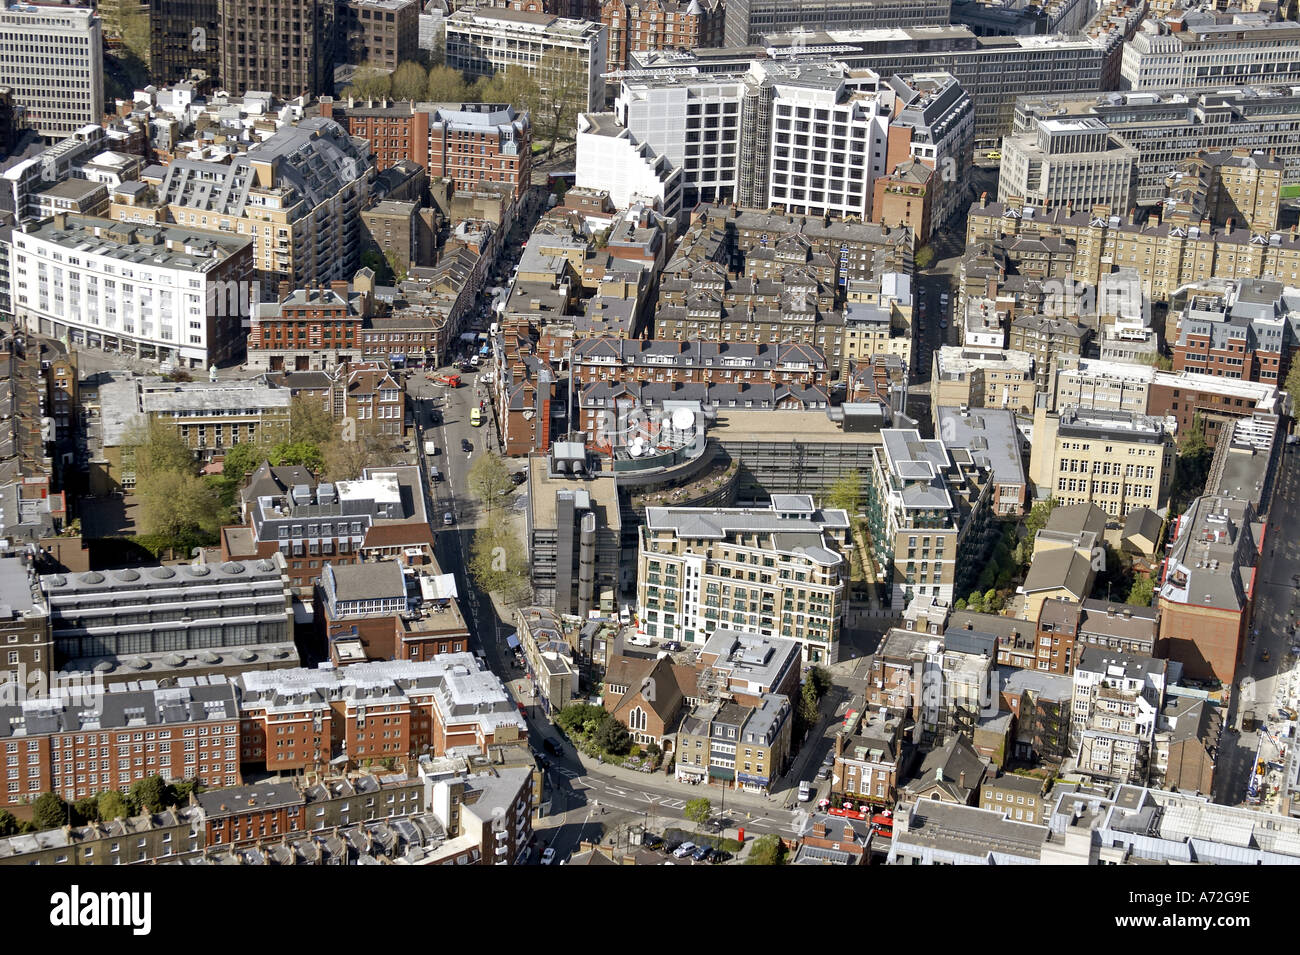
x,y
1117,698
1022,798
301,720
488,40
157,293
1163,255
213,417
308,329
927,509
52,61
610,157
994,442
1229,186
480,146
1133,455
659,25
869,757
1052,342
1245,329
1217,401
297,194
779,572
746,667
1104,386
381,514
182,733
1041,704
24,624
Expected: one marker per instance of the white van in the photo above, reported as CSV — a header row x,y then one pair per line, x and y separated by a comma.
x,y
638,639
805,790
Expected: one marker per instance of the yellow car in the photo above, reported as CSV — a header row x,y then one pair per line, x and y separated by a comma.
x,y
993,154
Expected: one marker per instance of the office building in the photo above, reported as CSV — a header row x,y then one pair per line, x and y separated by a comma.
x,y
285,47
487,40
1203,49
1117,699
1240,330
750,22
376,33
52,61
184,37
1072,161
1132,454
982,378
1165,127
168,293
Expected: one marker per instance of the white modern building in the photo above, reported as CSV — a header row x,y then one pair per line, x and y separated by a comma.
x,y
168,293
1211,50
486,40
1074,161
52,58
610,158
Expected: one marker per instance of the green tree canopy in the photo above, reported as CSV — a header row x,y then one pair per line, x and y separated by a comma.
x,y
446,85
49,811
86,810
1142,592
846,493
409,81
698,810
370,83
8,823
488,477
310,421
150,793
305,453
613,737
156,447
113,805
242,460
1035,522
176,505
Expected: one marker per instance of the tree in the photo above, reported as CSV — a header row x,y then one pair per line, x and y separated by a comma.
x,y
513,85
488,477
49,811
992,602
1142,592
498,563
310,421
820,678
1035,522
344,460
846,493
369,83
241,461
445,85
374,260
175,506
409,81
767,850
150,793
8,823
155,447
613,737
698,810
562,80
305,453
975,603
178,793
1292,384
400,266
86,810
113,805
808,704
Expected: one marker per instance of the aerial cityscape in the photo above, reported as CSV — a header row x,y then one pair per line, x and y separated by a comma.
x,y
649,432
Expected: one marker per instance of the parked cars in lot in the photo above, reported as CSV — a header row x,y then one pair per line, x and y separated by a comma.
x,y
651,841
672,646
685,849
701,853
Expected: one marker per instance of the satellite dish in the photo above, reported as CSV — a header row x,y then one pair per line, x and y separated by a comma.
x,y
683,419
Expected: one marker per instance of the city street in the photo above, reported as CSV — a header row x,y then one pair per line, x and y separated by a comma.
x,y
1276,612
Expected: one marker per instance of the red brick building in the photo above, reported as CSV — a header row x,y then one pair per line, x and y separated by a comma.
x,y
1217,401
311,329
395,131
659,25
247,815
481,143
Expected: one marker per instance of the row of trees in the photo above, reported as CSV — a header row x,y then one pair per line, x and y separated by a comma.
x,y
553,95
51,811
497,562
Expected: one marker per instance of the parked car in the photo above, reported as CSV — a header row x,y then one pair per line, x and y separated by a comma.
x,y
685,849
548,856
672,845
466,446
672,646
701,853
719,856
651,841
518,478
448,519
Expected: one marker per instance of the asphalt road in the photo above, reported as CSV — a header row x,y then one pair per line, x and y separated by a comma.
x,y
1276,611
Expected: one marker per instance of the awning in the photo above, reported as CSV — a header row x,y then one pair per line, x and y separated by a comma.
x,y
512,641
719,772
